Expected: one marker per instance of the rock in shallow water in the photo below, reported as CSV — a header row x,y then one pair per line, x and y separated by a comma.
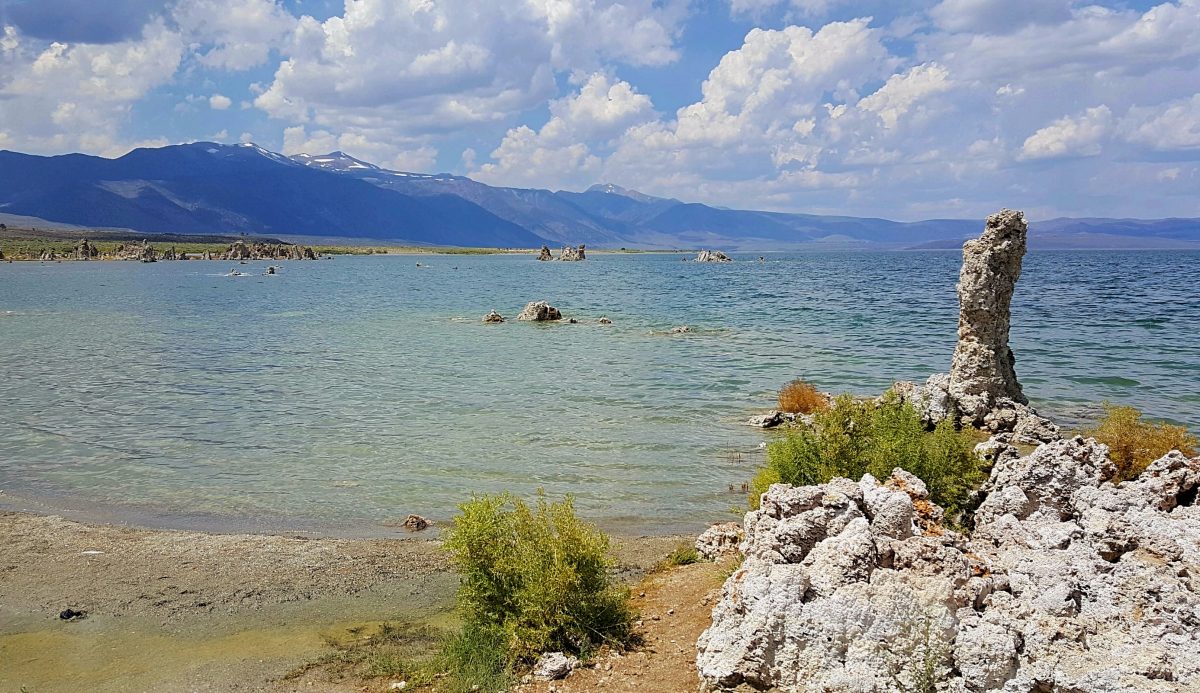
x,y
539,311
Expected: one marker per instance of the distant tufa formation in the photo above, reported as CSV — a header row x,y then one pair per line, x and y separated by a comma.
x,y
568,254
239,250
712,256
143,251
1067,583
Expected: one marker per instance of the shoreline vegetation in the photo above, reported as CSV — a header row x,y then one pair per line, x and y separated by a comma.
x,y
931,523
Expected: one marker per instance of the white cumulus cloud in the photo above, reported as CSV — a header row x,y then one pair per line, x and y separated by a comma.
x,y
1079,135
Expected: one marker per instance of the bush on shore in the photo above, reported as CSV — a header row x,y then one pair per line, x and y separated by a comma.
x,y
798,397
537,578
1133,443
854,437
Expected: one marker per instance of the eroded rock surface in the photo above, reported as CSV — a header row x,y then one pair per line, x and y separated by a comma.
x,y
981,389
539,311
545,255
1067,584
572,254
719,540
983,368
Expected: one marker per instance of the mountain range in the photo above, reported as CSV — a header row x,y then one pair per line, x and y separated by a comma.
x,y
206,188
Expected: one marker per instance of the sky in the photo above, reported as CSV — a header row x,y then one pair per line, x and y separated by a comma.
x,y
904,109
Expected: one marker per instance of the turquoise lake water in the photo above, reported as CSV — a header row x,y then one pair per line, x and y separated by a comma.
x,y
342,395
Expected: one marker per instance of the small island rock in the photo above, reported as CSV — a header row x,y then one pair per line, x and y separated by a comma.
x,y
539,311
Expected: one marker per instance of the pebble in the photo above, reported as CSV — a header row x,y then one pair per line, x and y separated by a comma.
x,y
670,612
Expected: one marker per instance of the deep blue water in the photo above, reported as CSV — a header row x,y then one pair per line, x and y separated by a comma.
x,y
341,394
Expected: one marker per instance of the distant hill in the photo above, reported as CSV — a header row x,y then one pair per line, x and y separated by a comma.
x,y
207,188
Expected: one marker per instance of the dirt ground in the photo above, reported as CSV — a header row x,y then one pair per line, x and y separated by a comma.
x,y
189,611
675,607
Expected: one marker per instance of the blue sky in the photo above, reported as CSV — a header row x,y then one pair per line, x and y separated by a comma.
x,y
898,108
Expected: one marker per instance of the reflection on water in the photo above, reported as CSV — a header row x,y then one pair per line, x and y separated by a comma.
x,y
350,392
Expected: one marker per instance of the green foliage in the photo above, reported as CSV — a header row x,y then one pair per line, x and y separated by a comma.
x,y
684,554
1133,444
476,659
855,437
539,576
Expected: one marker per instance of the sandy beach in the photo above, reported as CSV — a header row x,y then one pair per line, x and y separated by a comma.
x,y
190,611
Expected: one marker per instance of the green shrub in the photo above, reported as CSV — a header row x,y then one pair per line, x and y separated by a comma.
x,y
855,437
1133,444
538,576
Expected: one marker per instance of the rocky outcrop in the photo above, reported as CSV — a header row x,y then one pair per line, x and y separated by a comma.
x,y
981,389
1068,583
493,316
572,254
85,251
240,250
934,402
719,540
143,252
983,368
170,254
539,311
545,255
713,256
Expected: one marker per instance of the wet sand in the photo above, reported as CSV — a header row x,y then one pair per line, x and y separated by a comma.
x,y
191,611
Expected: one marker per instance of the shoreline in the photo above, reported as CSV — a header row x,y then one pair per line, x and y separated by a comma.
x,y
90,512
171,610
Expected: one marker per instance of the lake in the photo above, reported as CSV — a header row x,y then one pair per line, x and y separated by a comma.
x,y
339,396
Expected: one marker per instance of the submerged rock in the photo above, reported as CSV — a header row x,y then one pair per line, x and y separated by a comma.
x,y
712,256
604,321
1068,583
493,316
983,368
415,523
539,311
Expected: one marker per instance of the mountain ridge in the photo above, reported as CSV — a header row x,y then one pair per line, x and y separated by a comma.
x,y
206,187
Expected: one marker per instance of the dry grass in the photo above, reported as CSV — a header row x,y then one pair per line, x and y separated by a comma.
x,y
1133,444
798,397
